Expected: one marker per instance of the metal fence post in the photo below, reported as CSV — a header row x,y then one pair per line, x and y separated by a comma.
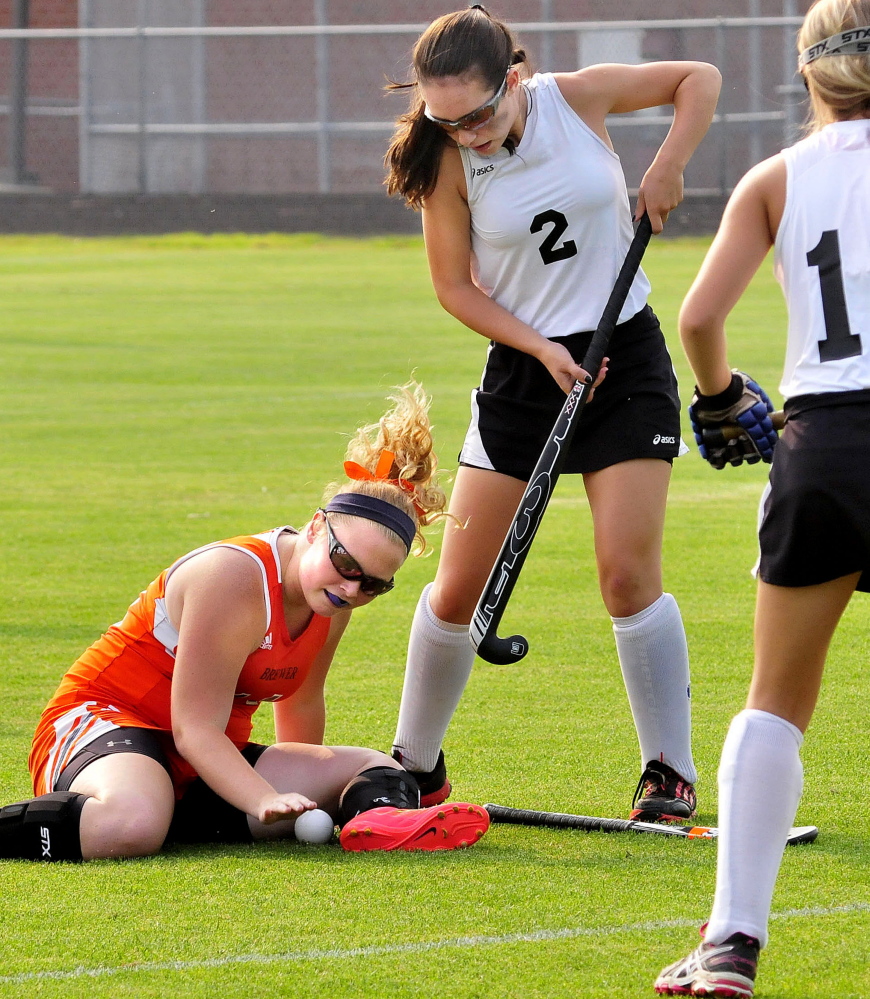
x,y
754,73
321,17
199,99
545,48
142,114
18,97
790,86
723,121
85,99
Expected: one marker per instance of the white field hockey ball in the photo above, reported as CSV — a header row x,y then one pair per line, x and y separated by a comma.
x,y
315,826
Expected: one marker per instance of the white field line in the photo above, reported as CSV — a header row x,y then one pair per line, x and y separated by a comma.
x,y
423,946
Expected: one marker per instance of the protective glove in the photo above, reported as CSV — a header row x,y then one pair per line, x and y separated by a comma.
x,y
744,403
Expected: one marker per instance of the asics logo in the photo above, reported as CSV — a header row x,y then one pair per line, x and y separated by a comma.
x,y
480,171
661,439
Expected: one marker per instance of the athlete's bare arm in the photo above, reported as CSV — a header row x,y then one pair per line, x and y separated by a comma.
x,y
747,232
447,232
692,88
302,717
217,603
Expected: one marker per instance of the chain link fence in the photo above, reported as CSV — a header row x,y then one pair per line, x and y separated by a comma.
x,y
155,97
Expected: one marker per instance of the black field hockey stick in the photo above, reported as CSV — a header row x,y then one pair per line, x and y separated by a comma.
x,y
589,823
542,481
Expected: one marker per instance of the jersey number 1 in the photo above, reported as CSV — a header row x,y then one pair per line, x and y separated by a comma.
x,y
840,341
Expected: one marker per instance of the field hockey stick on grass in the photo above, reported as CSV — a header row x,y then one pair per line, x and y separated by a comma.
x,y
542,481
589,823
719,436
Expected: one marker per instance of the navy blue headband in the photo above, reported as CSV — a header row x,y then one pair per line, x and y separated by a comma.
x,y
377,510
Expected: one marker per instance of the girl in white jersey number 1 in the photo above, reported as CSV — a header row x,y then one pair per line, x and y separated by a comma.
x,y
812,204
526,220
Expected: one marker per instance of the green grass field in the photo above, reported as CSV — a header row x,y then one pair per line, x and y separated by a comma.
x,y
159,394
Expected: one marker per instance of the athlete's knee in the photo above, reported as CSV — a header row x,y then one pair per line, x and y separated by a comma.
x,y
627,589
370,758
453,603
126,825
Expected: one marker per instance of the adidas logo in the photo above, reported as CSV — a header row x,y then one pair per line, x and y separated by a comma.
x,y
267,642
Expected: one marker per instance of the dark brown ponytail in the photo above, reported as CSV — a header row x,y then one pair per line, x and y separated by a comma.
x,y
466,42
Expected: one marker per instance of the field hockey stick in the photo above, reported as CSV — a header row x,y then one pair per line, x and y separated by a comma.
x,y
589,823
542,481
719,436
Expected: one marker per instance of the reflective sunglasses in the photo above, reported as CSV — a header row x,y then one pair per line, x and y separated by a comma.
x,y
348,568
474,119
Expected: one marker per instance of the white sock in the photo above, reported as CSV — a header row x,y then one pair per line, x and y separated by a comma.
x,y
652,651
760,784
440,657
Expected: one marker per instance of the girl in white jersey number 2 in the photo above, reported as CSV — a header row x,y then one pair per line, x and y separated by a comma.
x,y
812,204
526,219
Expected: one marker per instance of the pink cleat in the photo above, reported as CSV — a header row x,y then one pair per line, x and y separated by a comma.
x,y
440,827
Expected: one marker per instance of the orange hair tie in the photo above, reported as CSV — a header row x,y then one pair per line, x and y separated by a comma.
x,y
353,470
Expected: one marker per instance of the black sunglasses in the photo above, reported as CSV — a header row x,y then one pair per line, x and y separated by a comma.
x,y
474,119
348,568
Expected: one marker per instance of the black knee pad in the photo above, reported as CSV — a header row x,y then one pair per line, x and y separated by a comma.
x,y
376,788
202,816
44,828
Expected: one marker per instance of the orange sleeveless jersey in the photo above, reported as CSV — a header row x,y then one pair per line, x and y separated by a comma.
x,y
125,677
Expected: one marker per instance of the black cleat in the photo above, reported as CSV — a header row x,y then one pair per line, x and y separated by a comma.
x,y
662,795
434,785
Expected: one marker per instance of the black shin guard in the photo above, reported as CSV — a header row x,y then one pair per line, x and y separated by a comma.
x,y
204,817
44,828
376,788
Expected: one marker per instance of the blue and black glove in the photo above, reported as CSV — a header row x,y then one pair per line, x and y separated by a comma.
x,y
744,405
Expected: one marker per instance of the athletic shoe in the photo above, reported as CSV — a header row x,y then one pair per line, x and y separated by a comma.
x,y
441,827
434,785
726,970
662,795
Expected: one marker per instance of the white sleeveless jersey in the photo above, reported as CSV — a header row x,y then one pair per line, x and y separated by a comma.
x,y
822,261
550,225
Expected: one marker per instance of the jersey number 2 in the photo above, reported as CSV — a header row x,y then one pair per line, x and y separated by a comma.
x,y
549,251
839,340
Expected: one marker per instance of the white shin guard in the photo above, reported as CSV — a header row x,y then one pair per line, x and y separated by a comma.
x,y
654,659
760,785
440,657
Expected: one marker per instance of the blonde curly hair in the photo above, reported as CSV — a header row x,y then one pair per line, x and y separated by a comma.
x,y
410,483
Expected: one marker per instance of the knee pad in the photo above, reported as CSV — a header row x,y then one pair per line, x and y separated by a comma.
x,y
44,828
376,788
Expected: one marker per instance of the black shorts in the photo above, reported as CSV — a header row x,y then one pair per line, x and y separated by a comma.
x,y
144,741
815,516
635,412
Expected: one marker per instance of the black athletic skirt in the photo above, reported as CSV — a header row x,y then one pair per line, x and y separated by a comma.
x,y
815,516
634,413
